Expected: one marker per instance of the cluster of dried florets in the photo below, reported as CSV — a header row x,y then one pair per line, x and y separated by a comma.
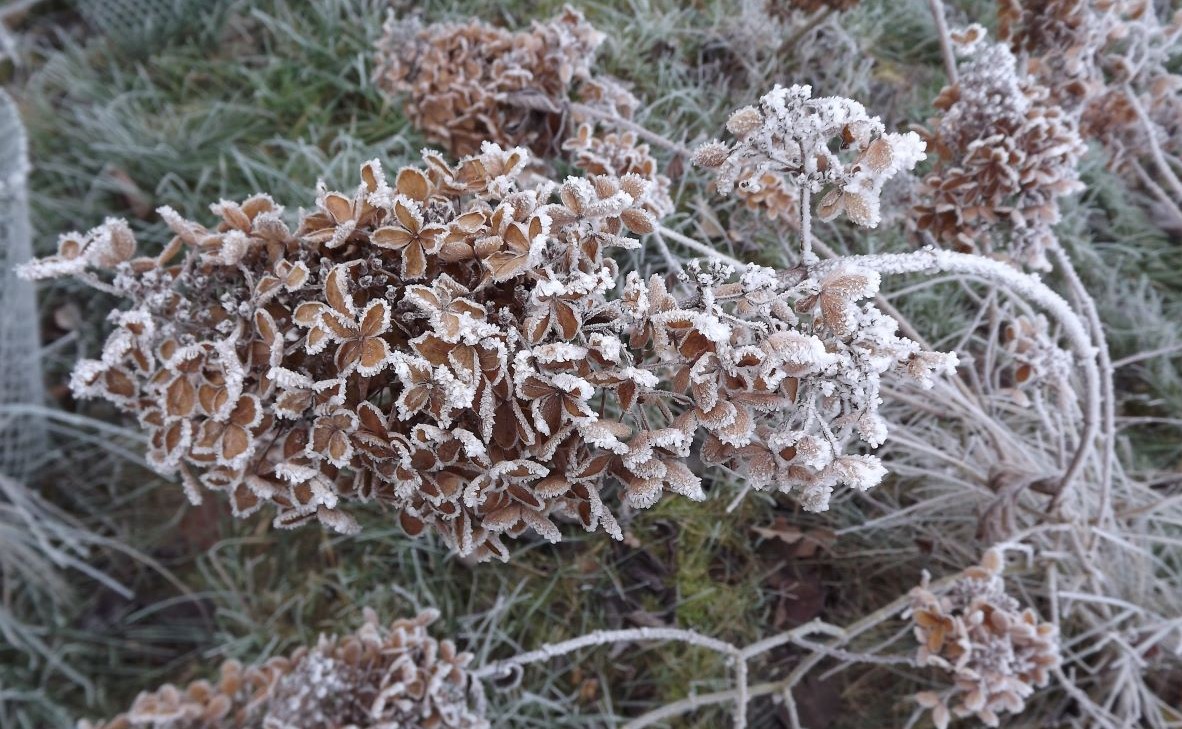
x,y
619,154
995,652
396,676
793,141
782,371
1006,154
466,83
1110,62
445,345
1036,358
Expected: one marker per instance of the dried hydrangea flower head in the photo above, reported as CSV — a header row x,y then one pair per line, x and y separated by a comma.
x,y
1036,359
1113,64
469,83
792,136
782,371
1006,156
444,344
425,342
995,653
395,676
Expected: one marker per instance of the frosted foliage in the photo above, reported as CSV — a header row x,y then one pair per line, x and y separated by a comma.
x,y
22,437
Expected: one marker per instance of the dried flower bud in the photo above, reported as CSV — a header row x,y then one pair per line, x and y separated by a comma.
x,y
744,121
710,154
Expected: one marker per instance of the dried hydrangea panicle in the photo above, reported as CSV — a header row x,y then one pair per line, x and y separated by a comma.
x,y
449,344
994,652
472,82
789,140
395,676
1006,156
1112,64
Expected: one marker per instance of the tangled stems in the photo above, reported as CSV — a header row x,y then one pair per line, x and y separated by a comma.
x,y
739,657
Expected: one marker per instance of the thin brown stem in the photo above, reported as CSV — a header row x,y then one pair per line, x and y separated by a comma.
x,y
937,7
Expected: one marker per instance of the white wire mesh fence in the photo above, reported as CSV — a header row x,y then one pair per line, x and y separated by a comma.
x,y
128,20
22,432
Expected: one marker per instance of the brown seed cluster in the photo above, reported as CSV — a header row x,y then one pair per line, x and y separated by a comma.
x,y
995,652
465,83
1006,155
445,344
396,676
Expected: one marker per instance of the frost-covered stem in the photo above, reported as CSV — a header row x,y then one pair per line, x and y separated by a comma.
x,y
743,690
700,247
670,261
1171,350
1155,151
98,284
808,27
1107,390
604,637
932,260
937,7
806,226
639,130
1161,195
842,637
631,635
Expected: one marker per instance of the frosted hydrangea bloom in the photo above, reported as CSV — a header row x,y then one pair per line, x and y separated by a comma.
x,y
788,137
379,676
993,653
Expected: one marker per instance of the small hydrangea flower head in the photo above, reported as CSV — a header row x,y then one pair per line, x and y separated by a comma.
x,y
467,83
788,140
1006,156
395,675
992,652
